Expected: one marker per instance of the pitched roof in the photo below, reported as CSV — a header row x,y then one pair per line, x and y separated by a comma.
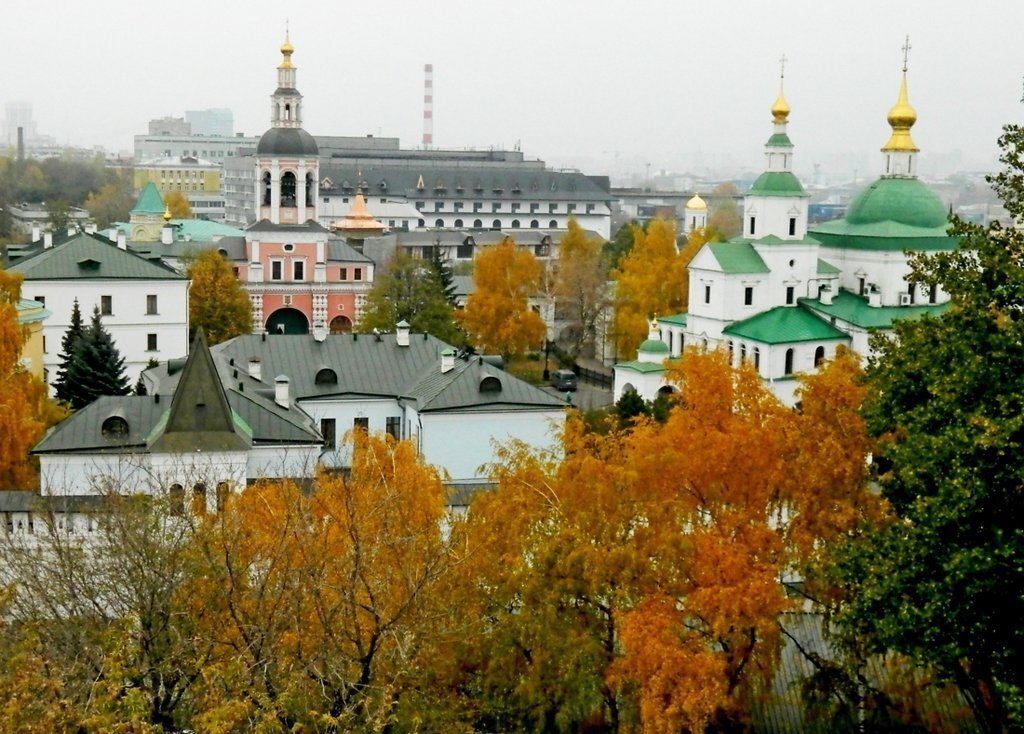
x,y
777,183
854,309
784,325
676,319
150,201
641,367
83,430
87,256
737,257
827,268
200,417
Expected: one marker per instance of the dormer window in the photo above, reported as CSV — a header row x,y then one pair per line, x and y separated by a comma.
x,y
326,376
114,427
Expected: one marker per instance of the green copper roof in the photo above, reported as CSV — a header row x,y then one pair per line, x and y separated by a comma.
x,y
641,367
30,311
676,319
827,268
653,346
890,214
855,310
93,257
737,257
149,201
779,140
784,325
777,183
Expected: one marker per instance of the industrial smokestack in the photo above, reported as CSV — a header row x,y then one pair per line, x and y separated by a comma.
x,y
428,105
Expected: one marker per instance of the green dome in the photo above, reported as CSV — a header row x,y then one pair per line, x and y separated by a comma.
x,y
901,200
777,183
653,346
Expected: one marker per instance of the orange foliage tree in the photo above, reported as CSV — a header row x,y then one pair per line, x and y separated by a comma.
x,y
321,602
497,314
638,578
650,281
25,410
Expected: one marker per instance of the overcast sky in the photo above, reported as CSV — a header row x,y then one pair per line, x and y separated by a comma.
x,y
604,86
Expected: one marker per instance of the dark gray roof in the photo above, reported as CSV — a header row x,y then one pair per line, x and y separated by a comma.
x,y
287,141
233,248
514,182
86,256
83,431
265,225
25,501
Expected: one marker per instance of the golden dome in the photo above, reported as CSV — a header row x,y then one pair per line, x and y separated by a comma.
x,y
167,213
358,223
780,110
901,118
696,203
286,51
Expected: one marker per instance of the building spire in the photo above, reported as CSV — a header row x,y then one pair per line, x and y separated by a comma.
x,y
900,148
286,49
780,110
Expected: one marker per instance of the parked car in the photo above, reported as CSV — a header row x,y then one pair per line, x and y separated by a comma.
x,y
563,380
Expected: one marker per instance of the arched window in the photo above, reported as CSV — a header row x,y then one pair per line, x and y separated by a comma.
x,y
728,345
310,189
515,224
477,224
288,189
496,224
788,368
287,111
199,498
743,352
458,222
421,223
490,384
757,358
553,224
223,493
114,427
327,376
534,224
176,500
439,223
266,189
819,356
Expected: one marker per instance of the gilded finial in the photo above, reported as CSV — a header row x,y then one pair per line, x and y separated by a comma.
x,y
902,116
780,110
167,212
286,49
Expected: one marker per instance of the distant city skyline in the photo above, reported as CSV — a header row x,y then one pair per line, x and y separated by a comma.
x,y
635,88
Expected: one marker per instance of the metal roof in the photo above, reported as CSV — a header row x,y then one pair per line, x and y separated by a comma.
x,y
90,256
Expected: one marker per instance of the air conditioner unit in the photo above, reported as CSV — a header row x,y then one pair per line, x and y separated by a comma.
x,y
905,299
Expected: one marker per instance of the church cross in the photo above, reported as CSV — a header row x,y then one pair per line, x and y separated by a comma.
x,y
906,51
782,66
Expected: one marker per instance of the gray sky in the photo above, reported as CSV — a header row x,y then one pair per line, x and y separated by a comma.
x,y
608,87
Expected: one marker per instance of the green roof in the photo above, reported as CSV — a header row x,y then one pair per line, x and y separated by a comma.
x,y
855,310
149,201
890,214
779,140
653,346
90,256
784,325
827,268
193,230
676,319
777,183
641,367
737,257
30,311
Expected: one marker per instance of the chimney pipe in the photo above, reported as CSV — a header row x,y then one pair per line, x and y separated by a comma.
x,y
402,333
255,368
166,235
122,241
47,240
36,233
281,390
825,295
90,228
447,360
71,230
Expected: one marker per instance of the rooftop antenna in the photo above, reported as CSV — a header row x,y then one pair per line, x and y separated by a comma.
x,y
428,105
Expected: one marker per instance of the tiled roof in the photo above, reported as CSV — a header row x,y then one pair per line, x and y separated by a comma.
x,y
784,325
87,256
855,310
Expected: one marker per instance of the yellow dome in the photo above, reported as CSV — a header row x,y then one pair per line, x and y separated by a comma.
x,y
167,213
696,203
286,51
901,118
780,110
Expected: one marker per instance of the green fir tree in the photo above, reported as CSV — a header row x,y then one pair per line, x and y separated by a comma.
x,y
97,367
68,347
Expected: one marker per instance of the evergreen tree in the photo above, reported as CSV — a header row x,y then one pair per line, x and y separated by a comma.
x,y
445,276
97,367
68,345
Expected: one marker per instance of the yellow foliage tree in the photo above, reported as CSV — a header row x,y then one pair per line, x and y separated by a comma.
x,y
497,314
580,287
178,205
217,302
25,409
650,282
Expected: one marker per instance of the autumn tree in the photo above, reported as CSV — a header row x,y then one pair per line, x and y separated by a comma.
x,y
649,282
725,216
111,203
96,366
498,317
178,205
409,289
217,302
25,410
580,286
695,240
620,245
942,582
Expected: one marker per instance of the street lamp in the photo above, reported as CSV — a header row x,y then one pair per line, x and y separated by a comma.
x,y
547,344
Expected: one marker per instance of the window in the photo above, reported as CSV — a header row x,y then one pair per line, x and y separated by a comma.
x,y
748,296
861,286
343,274
458,222
478,206
44,344
788,368
707,294
439,223
757,358
438,206
819,355
328,429
933,293
534,207
275,270
465,252
515,224
570,208
176,499
496,224
361,424
553,224
289,247
151,305
534,224
552,208
792,226
393,427
419,205
495,207
40,300
223,493
752,222
357,273
912,292
199,499
790,295
151,342
590,208
298,270
106,305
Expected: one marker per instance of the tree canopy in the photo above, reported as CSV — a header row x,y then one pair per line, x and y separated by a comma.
x,y
498,316
217,302
95,367
580,287
178,205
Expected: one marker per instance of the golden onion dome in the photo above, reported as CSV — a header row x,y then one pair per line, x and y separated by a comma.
x,y
286,51
696,203
901,118
167,213
780,110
